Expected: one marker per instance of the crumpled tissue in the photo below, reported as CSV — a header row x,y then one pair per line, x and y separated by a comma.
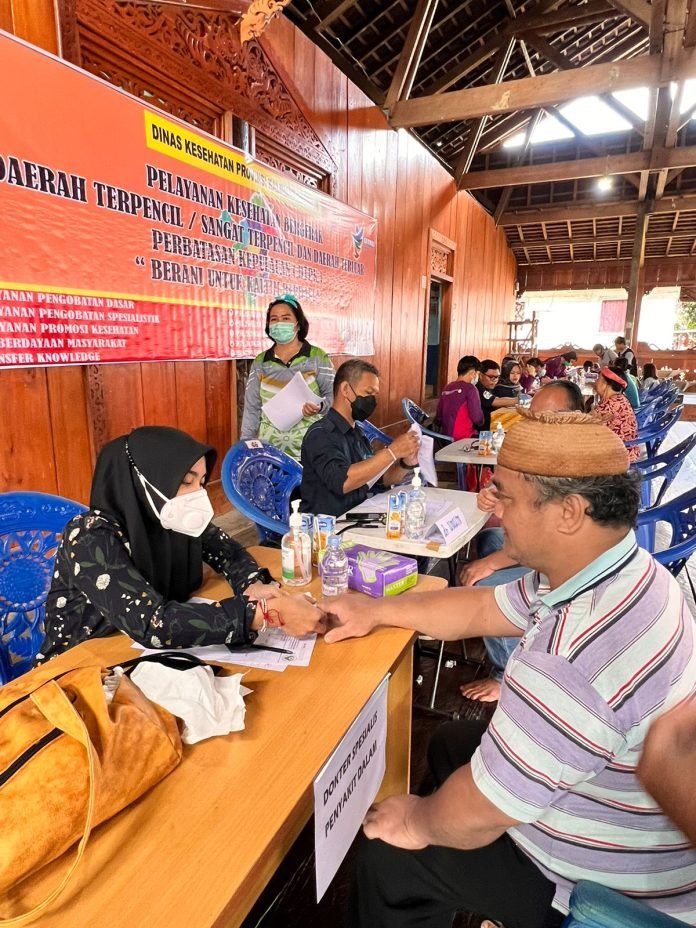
x,y
208,705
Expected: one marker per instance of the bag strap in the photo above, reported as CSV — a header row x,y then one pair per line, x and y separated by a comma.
x,y
55,706
175,660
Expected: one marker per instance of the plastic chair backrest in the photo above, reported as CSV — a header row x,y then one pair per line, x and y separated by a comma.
x,y
646,413
654,434
596,906
372,433
31,527
414,413
258,479
680,514
666,466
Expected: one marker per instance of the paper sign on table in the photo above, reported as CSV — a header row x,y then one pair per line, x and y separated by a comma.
x,y
449,526
347,785
285,408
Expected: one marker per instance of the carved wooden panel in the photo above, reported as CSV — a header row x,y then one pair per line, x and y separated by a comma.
x,y
288,162
201,51
440,260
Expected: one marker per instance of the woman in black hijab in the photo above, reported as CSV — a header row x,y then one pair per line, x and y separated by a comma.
x,y
130,562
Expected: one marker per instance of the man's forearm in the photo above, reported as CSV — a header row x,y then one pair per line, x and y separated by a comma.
x,y
358,474
448,615
458,815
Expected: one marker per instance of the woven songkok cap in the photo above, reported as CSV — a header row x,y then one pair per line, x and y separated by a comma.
x,y
562,444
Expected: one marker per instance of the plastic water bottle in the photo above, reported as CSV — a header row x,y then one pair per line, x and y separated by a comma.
x,y
296,551
334,568
415,508
498,438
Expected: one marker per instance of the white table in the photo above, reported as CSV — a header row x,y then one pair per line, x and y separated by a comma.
x,y
376,536
461,452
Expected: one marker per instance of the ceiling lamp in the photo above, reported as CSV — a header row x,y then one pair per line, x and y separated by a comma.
x,y
605,183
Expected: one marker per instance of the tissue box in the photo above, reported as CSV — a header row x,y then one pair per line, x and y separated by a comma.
x,y
379,573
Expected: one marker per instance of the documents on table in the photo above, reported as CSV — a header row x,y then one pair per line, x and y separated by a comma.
x,y
300,648
285,408
347,785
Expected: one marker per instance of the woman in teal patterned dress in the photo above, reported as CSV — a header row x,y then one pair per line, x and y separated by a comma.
x,y
290,354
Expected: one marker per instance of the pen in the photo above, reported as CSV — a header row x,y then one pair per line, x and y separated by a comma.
x,y
268,647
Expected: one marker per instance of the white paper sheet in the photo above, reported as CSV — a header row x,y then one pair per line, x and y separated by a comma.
x,y
347,785
285,408
301,649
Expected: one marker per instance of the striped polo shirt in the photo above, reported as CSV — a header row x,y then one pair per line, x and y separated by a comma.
x,y
601,657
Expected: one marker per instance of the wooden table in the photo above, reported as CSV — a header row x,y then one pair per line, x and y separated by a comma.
x,y
197,850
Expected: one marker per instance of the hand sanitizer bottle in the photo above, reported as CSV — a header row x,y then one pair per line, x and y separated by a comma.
x,y
415,508
296,551
498,438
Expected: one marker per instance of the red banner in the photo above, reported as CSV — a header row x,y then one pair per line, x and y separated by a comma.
x,y
127,236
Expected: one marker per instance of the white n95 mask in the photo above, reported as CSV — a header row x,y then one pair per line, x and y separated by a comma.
x,y
189,514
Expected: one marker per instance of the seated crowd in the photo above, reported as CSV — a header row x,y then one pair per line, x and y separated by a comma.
x,y
589,638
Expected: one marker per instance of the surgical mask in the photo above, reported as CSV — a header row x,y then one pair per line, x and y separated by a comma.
x,y
188,514
282,332
362,407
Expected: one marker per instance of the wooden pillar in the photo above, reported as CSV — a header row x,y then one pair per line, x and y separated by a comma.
x,y
32,20
637,276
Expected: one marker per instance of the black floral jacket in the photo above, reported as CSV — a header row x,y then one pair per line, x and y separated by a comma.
x,y
97,590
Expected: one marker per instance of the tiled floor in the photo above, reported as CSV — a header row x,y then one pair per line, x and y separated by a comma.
x,y
289,900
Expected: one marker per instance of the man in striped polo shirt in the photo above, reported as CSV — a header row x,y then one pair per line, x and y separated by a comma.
x,y
547,793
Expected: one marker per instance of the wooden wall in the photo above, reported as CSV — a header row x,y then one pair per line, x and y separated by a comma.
x,y
55,421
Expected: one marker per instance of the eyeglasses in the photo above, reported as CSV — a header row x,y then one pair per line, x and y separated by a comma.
x,y
492,376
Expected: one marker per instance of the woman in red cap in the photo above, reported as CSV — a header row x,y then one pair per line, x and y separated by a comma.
x,y
614,409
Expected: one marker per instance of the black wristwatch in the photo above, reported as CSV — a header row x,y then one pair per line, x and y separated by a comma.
x,y
406,466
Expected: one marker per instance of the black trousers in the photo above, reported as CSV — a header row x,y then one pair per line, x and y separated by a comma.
x,y
393,888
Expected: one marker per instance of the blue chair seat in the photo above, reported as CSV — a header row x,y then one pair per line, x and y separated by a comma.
x,y
680,515
596,906
31,528
654,434
372,433
663,466
259,479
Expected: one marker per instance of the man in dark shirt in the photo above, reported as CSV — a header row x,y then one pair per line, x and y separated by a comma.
x,y
557,366
625,351
338,461
487,382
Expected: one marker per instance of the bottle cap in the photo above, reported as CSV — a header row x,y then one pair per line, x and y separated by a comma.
x,y
416,480
333,541
296,515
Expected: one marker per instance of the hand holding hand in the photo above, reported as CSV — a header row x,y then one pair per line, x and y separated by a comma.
x,y
354,613
389,821
311,409
299,616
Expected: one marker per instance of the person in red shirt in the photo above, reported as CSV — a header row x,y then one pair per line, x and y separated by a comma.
x,y
459,411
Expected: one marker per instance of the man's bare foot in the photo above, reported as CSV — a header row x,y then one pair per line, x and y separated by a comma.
x,y
487,690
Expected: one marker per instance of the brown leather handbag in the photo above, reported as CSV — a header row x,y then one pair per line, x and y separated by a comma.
x,y
70,759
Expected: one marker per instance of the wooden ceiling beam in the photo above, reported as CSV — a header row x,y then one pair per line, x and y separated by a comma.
x,y
233,7
638,10
566,18
690,29
504,200
485,51
475,131
526,92
600,239
564,63
554,171
579,212
411,54
330,10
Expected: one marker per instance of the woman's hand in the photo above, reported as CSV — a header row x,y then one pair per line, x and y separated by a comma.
x,y
263,591
311,409
298,615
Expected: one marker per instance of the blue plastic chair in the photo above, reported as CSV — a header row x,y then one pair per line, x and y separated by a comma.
x,y
414,413
663,466
647,412
372,433
653,435
31,527
258,480
680,514
596,906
